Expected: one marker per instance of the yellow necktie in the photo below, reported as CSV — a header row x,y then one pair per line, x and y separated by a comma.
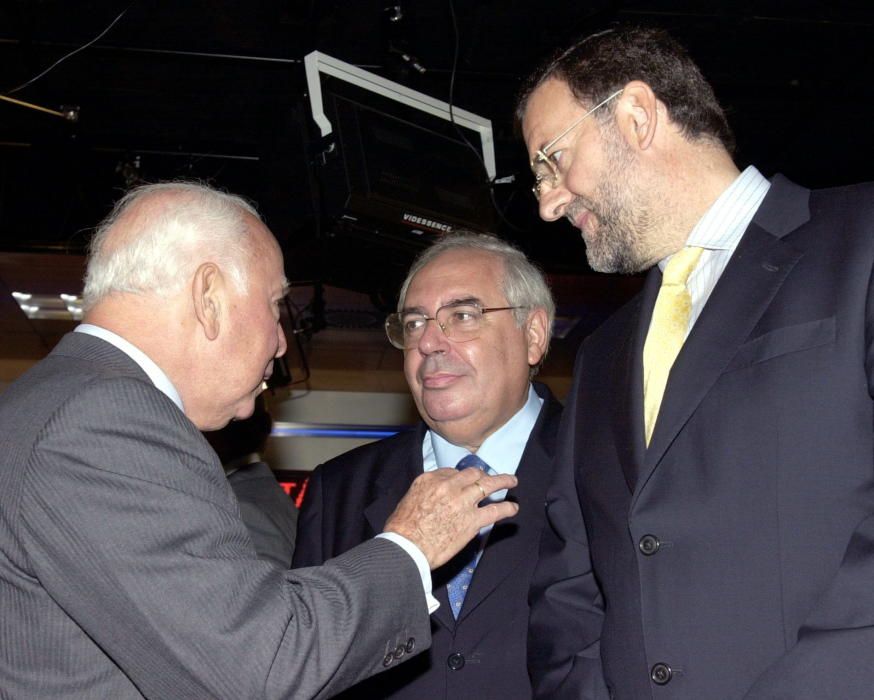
x,y
667,331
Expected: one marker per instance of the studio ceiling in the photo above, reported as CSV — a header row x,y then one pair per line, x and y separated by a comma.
x,y
215,90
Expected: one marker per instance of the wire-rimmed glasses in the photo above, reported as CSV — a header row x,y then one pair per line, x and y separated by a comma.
x,y
545,165
460,321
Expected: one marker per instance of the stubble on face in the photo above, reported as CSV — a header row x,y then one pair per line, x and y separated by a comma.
x,y
624,219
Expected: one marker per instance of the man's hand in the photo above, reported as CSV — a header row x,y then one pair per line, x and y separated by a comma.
x,y
441,513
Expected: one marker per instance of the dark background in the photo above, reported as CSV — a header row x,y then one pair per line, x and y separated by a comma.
x,y
215,90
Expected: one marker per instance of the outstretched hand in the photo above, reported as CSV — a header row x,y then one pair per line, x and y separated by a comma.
x,y
441,513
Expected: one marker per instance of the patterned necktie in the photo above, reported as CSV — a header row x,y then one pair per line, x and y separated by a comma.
x,y
667,331
457,587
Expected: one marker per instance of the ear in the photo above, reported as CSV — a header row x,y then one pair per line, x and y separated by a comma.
x,y
207,293
637,114
536,335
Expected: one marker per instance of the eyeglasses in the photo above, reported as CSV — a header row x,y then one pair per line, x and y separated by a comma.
x,y
544,165
460,321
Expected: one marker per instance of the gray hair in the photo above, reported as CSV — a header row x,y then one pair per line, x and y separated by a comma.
x,y
176,226
523,284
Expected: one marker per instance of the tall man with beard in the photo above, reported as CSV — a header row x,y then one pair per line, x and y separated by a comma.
x,y
474,321
711,523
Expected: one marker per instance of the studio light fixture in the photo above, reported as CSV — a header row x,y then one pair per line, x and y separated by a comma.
x,y
55,307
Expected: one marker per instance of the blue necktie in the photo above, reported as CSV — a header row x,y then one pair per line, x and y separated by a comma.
x,y
457,587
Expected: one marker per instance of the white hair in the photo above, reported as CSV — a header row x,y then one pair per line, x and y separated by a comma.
x,y
523,284
169,229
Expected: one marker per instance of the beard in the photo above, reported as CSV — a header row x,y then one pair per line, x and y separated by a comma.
x,y
618,244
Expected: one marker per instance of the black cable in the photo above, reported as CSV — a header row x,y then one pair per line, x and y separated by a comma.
x,y
452,93
490,182
72,53
297,330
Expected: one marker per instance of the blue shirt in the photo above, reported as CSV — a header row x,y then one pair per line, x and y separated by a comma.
x,y
502,450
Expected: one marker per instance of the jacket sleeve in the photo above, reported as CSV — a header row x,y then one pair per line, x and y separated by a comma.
x,y
566,605
131,528
835,648
309,546
833,655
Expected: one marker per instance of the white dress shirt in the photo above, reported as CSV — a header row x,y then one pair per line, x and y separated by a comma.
x,y
159,379
502,450
719,231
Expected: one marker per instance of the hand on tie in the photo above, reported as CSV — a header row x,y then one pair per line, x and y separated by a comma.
x,y
441,513
472,461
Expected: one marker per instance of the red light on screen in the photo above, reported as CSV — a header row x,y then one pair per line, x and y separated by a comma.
x,y
295,488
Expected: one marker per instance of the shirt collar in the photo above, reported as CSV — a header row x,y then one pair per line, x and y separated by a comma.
x,y
725,221
502,450
154,373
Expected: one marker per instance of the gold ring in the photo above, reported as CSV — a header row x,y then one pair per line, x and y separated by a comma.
x,y
482,490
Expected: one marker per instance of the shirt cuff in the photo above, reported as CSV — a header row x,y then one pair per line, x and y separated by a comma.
x,y
421,564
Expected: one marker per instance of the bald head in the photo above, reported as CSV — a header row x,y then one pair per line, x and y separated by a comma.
x,y
157,234
193,278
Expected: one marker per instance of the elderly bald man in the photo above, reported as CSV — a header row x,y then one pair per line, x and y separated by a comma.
x,y
125,570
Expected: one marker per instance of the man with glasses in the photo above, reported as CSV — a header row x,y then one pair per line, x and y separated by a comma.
x,y
473,322
711,522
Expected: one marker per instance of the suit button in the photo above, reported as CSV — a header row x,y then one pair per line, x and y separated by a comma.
x,y
387,660
411,644
455,661
400,651
661,674
649,545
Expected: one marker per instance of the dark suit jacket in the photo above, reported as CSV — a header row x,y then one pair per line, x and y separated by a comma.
x,y
738,549
349,499
126,572
269,514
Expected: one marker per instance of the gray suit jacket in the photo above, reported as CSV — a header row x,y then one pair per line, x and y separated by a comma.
x,y
268,512
125,571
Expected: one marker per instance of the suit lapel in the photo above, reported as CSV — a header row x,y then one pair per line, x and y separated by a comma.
x,y
439,578
397,472
746,289
406,460
511,542
628,409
